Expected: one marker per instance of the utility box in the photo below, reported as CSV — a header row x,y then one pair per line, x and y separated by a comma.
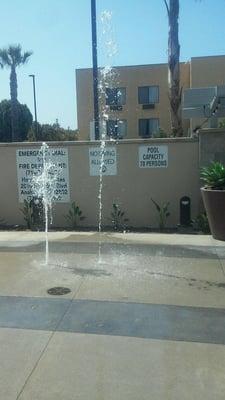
x,y
185,211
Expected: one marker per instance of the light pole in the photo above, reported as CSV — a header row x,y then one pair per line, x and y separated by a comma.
x,y
95,68
35,104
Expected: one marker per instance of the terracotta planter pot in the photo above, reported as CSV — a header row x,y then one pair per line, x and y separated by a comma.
x,y
214,202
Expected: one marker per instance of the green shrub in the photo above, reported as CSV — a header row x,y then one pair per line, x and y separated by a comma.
x,y
214,176
160,134
163,214
202,223
74,215
33,213
118,218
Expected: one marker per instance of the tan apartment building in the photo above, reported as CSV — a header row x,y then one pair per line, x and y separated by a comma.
x,y
137,106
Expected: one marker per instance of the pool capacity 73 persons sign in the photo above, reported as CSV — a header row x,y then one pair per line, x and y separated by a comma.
x,y
106,156
30,164
153,156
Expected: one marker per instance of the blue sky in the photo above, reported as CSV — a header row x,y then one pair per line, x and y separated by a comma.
x,y
59,33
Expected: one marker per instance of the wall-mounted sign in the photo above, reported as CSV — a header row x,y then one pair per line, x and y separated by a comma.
x,y
108,158
30,164
153,156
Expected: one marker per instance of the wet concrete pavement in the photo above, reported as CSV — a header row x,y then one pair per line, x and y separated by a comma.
x,y
147,321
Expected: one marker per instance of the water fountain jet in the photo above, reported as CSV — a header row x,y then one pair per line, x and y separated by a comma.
x,y
44,187
107,78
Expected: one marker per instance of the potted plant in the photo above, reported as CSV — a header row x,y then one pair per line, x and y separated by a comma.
x,y
213,194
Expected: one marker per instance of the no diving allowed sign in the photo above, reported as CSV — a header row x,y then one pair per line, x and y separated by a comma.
x,y
107,157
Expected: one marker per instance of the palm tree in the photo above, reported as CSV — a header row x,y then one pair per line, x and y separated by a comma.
x,y
175,92
12,57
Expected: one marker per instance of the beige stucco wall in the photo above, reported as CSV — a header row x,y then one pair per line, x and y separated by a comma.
x,y
132,187
207,71
211,146
130,77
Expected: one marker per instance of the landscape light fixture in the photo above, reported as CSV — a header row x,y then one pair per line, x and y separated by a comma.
x,y
95,68
35,104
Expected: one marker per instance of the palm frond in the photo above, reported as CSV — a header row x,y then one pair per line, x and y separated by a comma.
x,y
167,7
26,56
14,52
13,56
4,58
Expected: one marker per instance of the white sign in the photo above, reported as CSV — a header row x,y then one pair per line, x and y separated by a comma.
x,y
153,156
30,164
108,156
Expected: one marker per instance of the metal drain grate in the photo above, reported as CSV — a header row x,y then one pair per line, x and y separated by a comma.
x,y
58,291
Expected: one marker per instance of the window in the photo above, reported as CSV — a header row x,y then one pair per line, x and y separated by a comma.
x,y
148,94
147,127
116,129
115,96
